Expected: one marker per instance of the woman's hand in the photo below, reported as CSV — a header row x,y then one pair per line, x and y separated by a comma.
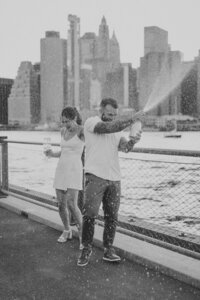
x,y
48,153
71,126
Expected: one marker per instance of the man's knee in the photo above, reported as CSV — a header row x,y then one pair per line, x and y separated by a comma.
x,y
88,219
111,219
90,213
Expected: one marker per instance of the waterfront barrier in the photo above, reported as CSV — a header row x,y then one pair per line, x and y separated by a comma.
x,y
160,199
4,163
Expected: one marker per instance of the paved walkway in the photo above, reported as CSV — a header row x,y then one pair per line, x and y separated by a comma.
x,y
33,266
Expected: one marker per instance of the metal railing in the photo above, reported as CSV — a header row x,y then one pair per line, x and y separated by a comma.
x,y
4,163
160,197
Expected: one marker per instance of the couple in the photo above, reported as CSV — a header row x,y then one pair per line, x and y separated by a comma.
x,y
103,139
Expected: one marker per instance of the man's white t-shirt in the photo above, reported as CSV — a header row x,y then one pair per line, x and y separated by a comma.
x,y
101,152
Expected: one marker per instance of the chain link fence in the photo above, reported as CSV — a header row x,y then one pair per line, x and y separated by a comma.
x,y
161,198
160,195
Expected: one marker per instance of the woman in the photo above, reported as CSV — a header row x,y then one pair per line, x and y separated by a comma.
x,y
69,172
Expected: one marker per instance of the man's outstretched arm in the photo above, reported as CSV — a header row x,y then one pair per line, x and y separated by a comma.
x,y
117,125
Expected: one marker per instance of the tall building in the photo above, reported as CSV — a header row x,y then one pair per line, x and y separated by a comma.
x,y
103,41
53,77
95,93
121,84
73,60
5,88
99,55
85,83
156,70
198,84
88,47
35,87
190,89
114,56
24,102
155,40
114,86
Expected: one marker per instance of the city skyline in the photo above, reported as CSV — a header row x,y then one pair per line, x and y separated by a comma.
x,y
23,24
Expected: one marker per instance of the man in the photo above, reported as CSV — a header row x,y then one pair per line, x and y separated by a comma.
x,y
103,139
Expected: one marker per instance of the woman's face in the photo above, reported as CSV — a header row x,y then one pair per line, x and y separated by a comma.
x,y
69,124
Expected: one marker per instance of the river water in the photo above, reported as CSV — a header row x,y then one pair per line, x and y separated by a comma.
x,y
157,188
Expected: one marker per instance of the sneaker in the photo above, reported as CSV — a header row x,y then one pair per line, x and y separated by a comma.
x,y
84,257
110,255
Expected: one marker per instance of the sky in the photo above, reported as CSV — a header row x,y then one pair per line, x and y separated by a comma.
x,y
24,22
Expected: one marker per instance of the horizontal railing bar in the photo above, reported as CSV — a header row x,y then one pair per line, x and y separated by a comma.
x,y
160,161
31,143
135,150
167,151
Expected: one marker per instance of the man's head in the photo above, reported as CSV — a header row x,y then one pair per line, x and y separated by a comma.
x,y
108,109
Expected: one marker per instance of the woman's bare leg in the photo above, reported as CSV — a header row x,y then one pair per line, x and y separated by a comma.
x,y
72,201
63,208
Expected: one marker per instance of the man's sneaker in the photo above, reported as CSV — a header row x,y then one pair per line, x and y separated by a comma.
x,y
110,255
84,257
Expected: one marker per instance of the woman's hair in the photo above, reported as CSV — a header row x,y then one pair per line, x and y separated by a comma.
x,y
71,113
78,119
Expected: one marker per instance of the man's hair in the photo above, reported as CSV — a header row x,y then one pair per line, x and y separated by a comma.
x,y
109,101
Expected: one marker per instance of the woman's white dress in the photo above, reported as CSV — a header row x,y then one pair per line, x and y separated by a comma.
x,y
69,170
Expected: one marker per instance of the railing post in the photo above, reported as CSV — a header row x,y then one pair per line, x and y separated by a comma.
x,y
4,163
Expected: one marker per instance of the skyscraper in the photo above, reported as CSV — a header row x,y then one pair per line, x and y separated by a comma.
x,y
73,60
88,47
198,83
53,77
157,66
99,55
5,88
103,42
155,40
114,56
24,102
121,85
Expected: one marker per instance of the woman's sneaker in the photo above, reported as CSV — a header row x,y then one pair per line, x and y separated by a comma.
x,y
84,257
110,255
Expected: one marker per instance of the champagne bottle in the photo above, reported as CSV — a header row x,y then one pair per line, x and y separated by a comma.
x,y
135,128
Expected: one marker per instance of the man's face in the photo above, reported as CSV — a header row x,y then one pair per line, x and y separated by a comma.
x,y
108,113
